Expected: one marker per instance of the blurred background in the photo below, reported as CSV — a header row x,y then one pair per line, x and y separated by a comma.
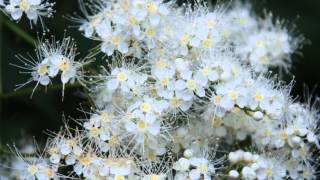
x,y
21,116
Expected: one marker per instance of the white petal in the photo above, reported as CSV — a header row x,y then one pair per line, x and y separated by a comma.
x,y
44,80
16,14
154,129
34,2
130,126
213,76
123,48
32,14
194,175
53,71
112,84
180,85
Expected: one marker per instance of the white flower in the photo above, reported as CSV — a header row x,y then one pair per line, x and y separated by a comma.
x,y
270,169
203,167
248,173
188,85
124,79
182,164
34,9
115,41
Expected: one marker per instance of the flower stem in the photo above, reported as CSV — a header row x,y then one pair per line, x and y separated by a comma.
x,y
29,90
17,30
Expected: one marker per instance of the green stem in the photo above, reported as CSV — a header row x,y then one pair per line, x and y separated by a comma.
x,y
29,90
16,29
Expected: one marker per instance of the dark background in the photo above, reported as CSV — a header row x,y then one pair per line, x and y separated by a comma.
x,y
25,117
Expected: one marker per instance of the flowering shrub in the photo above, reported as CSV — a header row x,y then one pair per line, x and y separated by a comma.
x,y
184,93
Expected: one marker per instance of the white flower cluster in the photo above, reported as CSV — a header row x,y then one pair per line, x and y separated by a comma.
x,y
53,58
34,9
184,88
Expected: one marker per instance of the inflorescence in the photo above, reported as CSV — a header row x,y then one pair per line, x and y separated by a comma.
x,y
185,93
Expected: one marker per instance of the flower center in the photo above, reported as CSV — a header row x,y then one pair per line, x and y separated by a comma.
x,y
191,84
164,81
283,135
42,70
145,107
161,64
217,100
115,40
175,102
142,125
203,168
233,95
207,43
122,76
24,5
49,173
154,177
85,161
94,132
33,169
206,71
105,117
113,141
185,39
211,24
152,8
260,43
268,172
132,20
258,97
150,32
64,65
119,177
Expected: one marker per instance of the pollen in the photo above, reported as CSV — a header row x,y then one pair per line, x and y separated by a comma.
x,y
154,177
217,100
283,135
145,107
268,172
206,71
33,169
260,43
42,70
122,76
150,32
132,20
24,5
191,84
175,102
152,8
94,132
113,141
211,24
258,97
142,125
207,43
119,177
185,39
85,161
233,95
64,65
164,81
105,117
161,64
115,40
203,168
49,173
